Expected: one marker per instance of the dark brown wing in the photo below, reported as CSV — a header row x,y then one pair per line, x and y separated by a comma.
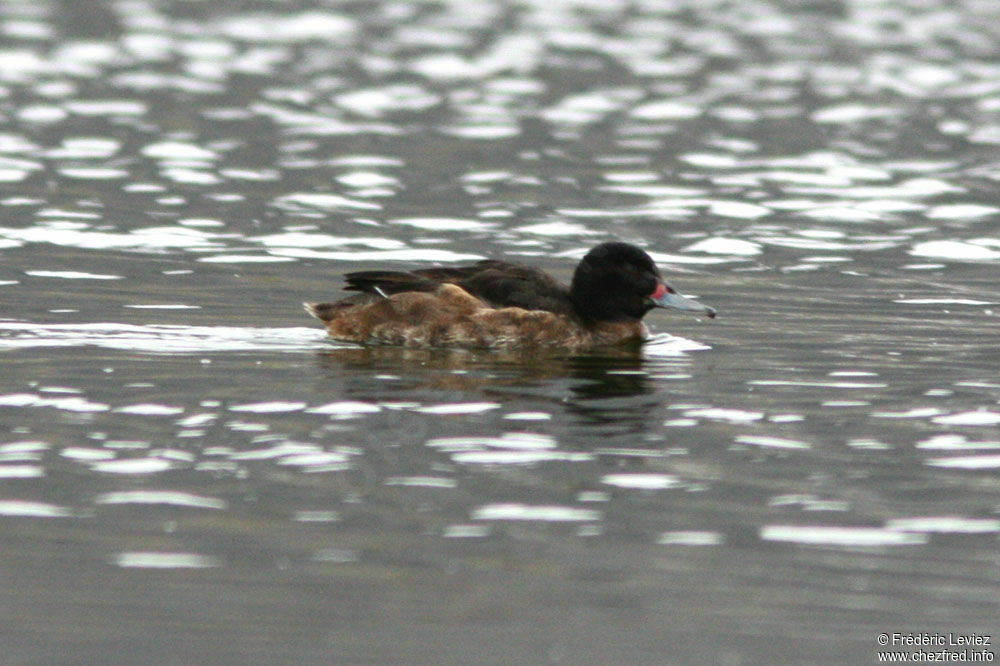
x,y
498,283
386,283
514,285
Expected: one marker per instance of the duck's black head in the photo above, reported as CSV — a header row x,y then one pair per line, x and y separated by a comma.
x,y
618,282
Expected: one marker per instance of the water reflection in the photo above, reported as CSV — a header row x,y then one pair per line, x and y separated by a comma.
x,y
607,373
601,388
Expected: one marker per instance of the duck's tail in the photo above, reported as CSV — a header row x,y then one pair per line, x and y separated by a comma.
x,y
322,311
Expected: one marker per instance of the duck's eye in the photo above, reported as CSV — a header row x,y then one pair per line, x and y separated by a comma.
x,y
661,289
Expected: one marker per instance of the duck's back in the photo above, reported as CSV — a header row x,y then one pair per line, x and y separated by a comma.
x,y
496,283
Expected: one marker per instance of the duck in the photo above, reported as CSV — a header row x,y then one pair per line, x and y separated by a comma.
x,y
498,304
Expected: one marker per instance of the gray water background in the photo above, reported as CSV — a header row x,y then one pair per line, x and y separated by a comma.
x,y
190,472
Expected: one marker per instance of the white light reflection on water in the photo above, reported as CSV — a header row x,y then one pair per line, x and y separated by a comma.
x,y
517,511
157,560
980,417
966,462
642,481
273,407
72,275
956,443
517,457
414,255
78,236
150,409
691,538
665,345
968,250
132,466
945,524
21,471
74,404
345,409
160,339
814,535
166,497
26,509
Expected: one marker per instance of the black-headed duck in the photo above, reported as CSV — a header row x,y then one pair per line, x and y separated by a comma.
x,y
498,304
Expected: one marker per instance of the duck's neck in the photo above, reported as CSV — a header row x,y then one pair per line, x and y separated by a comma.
x,y
618,332
594,311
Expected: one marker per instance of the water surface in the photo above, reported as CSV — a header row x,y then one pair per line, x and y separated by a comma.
x,y
190,471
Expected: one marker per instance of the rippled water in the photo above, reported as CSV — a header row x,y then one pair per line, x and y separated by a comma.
x,y
191,471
